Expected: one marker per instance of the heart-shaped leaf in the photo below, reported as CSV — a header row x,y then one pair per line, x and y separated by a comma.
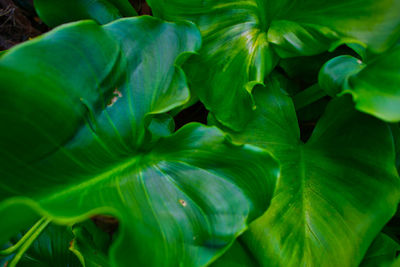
x,y
77,103
336,191
55,13
374,84
241,41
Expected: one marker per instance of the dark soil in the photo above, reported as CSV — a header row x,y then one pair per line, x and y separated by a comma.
x,y
18,22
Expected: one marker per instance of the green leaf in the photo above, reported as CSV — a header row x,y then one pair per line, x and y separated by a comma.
x,y
373,85
335,73
308,96
382,252
336,191
49,249
306,68
241,41
161,126
236,256
395,128
55,13
78,102
187,182
396,263
123,82
91,245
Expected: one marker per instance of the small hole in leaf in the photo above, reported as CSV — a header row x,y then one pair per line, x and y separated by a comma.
x,y
115,96
183,202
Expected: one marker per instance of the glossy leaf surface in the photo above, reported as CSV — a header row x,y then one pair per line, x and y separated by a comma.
x,y
242,41
180,199
55,13
374,85
336,192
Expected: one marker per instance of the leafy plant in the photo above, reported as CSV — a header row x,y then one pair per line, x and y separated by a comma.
x,y
298,164
245,39
316,192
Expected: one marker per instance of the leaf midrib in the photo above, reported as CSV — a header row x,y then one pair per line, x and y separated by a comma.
x,y
93,179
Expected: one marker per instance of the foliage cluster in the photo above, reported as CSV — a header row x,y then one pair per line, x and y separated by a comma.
x,y
297,165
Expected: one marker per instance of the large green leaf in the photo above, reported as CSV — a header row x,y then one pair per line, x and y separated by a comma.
x,y
336,192
76,104
241,41
55,13
374,84
381,253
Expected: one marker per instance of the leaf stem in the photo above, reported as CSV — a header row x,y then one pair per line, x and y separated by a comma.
x,y
24,247
20,242
308,96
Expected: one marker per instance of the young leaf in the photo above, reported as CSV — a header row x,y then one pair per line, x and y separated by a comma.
x,y
55,13
77,104
374,85
306,68
336,192
241,41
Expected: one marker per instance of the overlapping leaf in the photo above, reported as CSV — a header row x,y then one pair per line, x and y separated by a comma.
x,y
374,84
91,245
382,252
49,249
336,192
76,106
55,13
236,256
241,41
